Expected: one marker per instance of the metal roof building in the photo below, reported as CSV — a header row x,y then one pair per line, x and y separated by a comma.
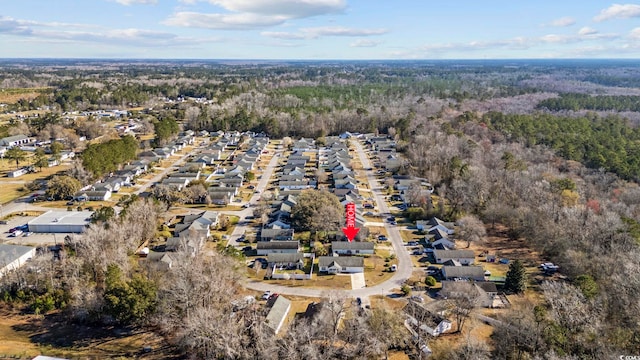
x,y
61,222
14,256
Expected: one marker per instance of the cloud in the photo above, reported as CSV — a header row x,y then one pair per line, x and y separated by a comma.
x,y
618,11
587,31
562,22
635,33
251,14
242,21
293,9
364,43
284,35
62,32
317,32
131,2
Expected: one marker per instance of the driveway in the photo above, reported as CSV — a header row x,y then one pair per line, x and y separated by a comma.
x,y
357,281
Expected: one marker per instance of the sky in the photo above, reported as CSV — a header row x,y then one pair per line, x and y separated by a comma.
x,y
319,29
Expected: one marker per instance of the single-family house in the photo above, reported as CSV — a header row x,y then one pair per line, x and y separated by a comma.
x,y
483,293
443,244
221,197
161,260
197,225
97,195
278,314
464,257
286,260
234,180
273,247
425,320
475,273
276,234
352,247
15,140
341,264
16,173
189,245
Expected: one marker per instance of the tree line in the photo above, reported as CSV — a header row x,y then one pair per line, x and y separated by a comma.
x,y
598,142
106,157
577,102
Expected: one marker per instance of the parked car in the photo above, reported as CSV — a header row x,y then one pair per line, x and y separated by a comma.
x,y
266,295
382,238
416,298
17,233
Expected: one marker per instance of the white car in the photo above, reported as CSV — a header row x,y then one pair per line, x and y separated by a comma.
x,y
266,295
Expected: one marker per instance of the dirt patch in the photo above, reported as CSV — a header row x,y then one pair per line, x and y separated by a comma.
x,y
499,244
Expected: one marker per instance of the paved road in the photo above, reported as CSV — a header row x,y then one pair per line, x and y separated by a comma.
x,y
176,164
405,266
241,228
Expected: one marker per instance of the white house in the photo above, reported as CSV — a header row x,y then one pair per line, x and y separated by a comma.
x,y
475,273
16,173
464,257
444,243
277,247
352,247
341,264
14,256
425,320
15,140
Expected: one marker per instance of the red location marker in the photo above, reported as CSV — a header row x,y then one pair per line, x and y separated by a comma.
x,y
350,230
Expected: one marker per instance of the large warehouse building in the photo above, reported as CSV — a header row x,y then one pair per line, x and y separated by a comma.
x,y
61,222
14,256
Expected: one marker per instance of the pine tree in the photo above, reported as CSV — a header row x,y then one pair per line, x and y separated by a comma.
x,y
515,282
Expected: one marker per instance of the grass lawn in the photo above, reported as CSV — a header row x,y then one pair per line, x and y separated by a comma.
x,y
410,235
340,281
11,192
374,267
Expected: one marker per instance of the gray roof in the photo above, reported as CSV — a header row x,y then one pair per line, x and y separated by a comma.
x,y
343,261
465,272
275,233
453,254
278,312
10,253
284,258
10,139
63,218
265,245
352,245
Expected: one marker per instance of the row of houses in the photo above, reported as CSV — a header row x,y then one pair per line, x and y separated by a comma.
x,y
384,150
224,189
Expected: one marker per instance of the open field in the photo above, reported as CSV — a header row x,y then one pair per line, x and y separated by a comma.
x,y
26,336
11,192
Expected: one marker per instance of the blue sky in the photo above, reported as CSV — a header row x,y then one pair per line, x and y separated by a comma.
x,y
319,29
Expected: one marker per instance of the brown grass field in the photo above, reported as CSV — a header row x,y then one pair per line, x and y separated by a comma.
x,y
26,336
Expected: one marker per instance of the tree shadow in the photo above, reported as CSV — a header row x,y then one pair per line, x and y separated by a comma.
x,y
54,330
